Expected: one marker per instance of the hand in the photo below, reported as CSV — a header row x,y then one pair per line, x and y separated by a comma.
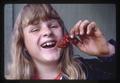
x,y
92,41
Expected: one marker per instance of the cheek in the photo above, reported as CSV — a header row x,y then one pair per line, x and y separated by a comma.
x,y
30,42
58,33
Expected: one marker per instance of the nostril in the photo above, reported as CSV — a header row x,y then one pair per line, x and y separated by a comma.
x,y
47,34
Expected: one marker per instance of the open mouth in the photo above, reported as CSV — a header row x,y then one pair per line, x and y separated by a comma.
x,y
49,44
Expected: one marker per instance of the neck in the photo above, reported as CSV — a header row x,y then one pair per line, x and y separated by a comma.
x,y
47,71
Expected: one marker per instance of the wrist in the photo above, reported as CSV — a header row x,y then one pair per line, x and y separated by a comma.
x,y
111,49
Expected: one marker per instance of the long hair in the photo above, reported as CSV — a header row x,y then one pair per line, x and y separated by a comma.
x,y
22,66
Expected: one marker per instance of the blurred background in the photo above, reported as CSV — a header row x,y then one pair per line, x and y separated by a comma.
x,y
103,14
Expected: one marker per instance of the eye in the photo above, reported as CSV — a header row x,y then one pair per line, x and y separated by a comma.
x,y
53,26
35,30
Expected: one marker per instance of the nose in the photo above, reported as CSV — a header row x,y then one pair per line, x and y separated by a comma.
x,y
46,31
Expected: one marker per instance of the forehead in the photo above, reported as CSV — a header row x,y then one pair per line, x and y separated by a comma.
x,y
37,21
42,23
39,13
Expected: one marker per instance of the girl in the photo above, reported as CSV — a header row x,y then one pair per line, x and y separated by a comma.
x,y
35,52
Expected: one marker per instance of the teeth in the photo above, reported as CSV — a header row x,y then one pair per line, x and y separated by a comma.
x,y
44,44
48,44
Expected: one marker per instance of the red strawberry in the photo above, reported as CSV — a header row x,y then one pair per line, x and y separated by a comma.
x,y
66,40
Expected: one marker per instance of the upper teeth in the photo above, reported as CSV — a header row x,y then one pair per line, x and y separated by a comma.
x,y
48,43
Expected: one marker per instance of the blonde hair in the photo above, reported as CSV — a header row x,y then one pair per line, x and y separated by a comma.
x,y
22,66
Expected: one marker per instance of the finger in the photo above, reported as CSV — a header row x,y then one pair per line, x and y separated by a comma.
x,y
91,27
75,29
72,33
83,26
98,32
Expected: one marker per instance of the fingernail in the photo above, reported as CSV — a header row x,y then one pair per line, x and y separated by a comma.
x,y
87,32
71,36
81,33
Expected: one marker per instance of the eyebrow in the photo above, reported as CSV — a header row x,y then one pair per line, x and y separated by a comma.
x,y
48,21
52,21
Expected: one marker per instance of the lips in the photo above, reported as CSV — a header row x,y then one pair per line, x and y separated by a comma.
x,y
48,44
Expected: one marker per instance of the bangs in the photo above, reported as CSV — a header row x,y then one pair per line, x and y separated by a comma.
x,y
36,13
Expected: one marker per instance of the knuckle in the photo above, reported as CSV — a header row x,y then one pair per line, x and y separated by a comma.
x,y
93,23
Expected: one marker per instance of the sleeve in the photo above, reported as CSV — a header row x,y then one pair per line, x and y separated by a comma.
x,y
113,57
110,63
101,68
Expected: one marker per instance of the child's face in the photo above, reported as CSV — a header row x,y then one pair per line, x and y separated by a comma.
x,y
41,40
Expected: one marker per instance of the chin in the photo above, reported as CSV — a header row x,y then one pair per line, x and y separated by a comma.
x,y
52,57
